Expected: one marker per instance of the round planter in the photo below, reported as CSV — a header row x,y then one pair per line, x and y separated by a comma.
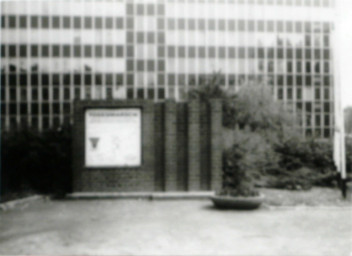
x,y
241,203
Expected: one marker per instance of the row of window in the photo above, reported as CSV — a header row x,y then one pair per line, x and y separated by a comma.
x,y
118,51
100,51
76,22
34,122
22,95
162,79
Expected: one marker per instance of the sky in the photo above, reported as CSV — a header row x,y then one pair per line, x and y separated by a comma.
x,y
345,44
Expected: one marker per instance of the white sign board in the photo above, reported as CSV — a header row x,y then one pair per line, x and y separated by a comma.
x,y
113,137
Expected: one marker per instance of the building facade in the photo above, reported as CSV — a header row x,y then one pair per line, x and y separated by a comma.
x,y
55,51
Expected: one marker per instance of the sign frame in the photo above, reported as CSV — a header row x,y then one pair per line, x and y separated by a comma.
x,y
140,133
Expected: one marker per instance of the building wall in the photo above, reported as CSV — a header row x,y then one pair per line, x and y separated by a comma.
x,y
181,150
56,51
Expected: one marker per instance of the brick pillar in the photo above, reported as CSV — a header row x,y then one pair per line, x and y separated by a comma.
x,y
216,144
78,153
170,146
148,150
194,145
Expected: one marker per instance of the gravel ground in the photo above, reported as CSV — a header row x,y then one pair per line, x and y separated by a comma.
x,y
317,196
176,227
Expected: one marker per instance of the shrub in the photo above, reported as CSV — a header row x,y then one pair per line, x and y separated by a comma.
x,y
36,161
245,162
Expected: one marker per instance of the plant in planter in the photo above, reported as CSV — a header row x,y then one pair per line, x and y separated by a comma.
x,y
244,163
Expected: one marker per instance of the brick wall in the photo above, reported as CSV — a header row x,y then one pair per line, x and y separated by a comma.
x,y
181,148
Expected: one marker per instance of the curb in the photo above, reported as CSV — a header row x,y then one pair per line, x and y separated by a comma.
x,y
12,204
142,195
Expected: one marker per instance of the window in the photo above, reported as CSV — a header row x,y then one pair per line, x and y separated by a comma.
x,y
140,9
12,21
150,37
87,79
150,9
23,79
130,51
242,52
241,25
181,24
308,54
171,24
108,79
87,51
191,24
211,52
23,21
251,25
23,51
140,37
161,51
119,79
45,22
171,79
56,50
130,37
130,66
98,51
201,24
161,65
34,79
67,79
161,37
109,51
130,79
181,52
270,26
87,22
56,22
298,27
171,51
34,21
130,23
77,51
161,24
231,25
12,51
67,51
45,79
45,50
56,79
150,65
3,21
119,23
98,22
192,52
211,24
161,9
77,22
222,25
119,50
108,22
67,22
161,79
201,52
129,9
98,79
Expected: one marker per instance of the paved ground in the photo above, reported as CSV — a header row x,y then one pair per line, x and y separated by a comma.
x,y
125,227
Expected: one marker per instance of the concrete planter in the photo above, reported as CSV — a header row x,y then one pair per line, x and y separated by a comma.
x,y
240,203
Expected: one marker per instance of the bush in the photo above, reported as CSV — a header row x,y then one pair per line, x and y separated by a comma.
x,y
36,161
245,162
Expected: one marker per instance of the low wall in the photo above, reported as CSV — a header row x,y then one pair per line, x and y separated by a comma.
x,y
180,146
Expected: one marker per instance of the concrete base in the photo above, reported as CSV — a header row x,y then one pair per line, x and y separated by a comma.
x,y
142,195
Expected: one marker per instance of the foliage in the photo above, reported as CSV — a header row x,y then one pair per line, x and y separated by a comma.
x,y
254,124
36,161
245,162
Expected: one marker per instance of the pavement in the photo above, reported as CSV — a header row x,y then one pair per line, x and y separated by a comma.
x,y
172,227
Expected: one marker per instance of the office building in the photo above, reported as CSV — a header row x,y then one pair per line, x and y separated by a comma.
x,y
55,51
